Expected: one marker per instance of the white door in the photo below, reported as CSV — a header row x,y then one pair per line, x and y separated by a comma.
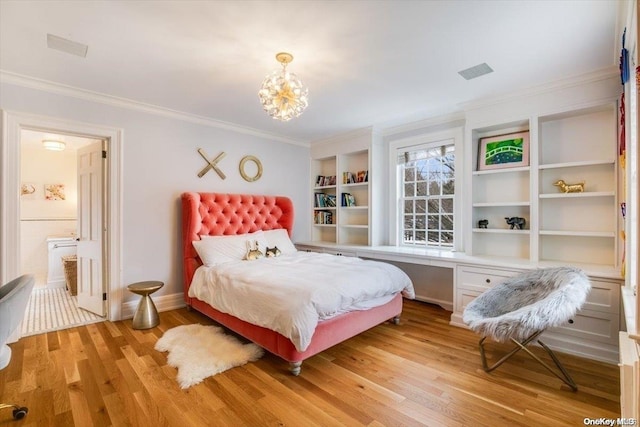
x,y
90,229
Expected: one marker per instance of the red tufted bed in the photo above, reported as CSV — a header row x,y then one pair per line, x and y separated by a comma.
x,y
215,214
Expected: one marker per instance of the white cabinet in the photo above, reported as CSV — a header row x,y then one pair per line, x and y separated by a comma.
x,y
326,250
592,332
471,281
629,377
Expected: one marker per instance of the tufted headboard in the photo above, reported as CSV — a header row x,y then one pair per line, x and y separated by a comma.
x,y
216,214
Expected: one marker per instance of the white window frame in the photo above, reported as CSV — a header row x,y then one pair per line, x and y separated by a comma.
x,y
433,139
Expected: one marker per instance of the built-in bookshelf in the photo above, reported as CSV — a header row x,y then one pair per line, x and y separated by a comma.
x,y
341,171
577,147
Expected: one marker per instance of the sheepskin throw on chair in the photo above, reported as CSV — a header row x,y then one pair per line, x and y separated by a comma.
x,y
524,306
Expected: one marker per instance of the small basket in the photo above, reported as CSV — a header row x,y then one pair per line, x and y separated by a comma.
x,y
70,263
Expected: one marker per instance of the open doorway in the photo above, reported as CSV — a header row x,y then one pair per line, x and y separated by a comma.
x,y
13,123
49,229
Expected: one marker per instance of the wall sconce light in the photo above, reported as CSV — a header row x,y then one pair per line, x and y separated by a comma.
x,y
52,145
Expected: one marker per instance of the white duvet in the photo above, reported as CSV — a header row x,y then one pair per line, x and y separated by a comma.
x,y
291,293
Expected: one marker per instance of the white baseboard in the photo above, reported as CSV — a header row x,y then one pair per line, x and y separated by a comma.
x,y
447,305
162,303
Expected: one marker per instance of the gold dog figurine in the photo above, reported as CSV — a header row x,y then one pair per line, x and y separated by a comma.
x,y
569,188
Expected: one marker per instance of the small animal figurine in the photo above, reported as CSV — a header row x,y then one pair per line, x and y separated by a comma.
x,y
272,252
253,251
516,222
483,223
569,188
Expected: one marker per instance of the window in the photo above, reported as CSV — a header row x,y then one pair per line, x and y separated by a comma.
x,y
426,194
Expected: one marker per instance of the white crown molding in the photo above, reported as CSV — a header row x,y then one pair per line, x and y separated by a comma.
x,y
367,131
114,101
425,123
573,81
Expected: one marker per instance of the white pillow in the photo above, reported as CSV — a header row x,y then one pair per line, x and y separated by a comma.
x,y
215,250
280,238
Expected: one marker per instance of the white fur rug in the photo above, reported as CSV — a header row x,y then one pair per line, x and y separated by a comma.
x,y
200,351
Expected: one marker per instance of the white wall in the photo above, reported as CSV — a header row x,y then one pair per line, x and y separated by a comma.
x,y
160,161
40,217
40,167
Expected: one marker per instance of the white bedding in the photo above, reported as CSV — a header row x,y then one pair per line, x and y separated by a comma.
x,y
291,293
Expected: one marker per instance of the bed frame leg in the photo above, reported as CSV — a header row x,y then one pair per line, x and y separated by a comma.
x,y
396,320
295,368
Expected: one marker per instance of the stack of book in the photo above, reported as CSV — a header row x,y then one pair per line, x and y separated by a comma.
x,y
348,199
324,181
323,200
322,217
355,178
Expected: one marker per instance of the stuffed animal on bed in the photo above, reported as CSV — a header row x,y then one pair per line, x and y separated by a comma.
x,y
253,251
272,252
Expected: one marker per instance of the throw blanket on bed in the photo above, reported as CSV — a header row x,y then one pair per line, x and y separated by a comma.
x,y
291,293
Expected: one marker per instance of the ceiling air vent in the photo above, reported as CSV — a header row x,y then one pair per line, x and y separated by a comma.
x,y
68,46
476,71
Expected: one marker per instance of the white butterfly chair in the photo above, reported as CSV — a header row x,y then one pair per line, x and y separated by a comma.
x,y
523,307
14,297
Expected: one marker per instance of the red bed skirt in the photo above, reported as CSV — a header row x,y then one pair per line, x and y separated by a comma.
x,y
327,334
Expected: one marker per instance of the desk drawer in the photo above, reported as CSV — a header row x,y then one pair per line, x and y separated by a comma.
x,y
591,326
604,296
481,279
464,297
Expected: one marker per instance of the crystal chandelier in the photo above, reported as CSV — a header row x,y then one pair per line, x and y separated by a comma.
x,y
282,94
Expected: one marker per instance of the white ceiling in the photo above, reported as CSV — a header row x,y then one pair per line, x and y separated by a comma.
x,y
32,139
380,63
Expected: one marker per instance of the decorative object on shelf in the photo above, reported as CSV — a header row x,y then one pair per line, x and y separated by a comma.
x,y
483,223
503,151
516,222
569,188
28,190
282,94
54,192
244,175
211,164
53,145
624,60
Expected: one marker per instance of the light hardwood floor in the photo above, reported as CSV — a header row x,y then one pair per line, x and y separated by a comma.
x,y
421,372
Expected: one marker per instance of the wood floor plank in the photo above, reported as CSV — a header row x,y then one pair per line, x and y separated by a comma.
x,y
420,372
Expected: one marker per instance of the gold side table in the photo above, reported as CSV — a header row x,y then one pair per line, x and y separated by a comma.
x,y
146,315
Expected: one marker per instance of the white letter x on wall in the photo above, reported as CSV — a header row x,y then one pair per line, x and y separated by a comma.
x,y
211,164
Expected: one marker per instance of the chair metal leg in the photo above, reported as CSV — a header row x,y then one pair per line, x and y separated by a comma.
x,y
19,412
488,368
565,377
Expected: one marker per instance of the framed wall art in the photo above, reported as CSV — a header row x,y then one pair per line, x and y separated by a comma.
x,y
503,151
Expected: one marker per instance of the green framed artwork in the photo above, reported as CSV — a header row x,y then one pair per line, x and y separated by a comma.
x,y
503,151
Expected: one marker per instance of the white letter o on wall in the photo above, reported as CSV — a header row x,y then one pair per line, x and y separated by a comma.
x,y
258,173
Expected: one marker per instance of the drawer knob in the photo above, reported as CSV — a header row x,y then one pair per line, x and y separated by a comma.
x,y
571,321
488,280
